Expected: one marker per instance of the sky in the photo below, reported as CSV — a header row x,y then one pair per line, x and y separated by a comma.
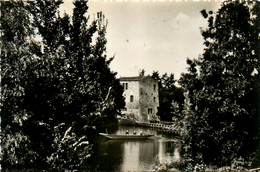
x,y
154,35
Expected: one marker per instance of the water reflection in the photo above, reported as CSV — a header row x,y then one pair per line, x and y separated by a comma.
x,y
138,155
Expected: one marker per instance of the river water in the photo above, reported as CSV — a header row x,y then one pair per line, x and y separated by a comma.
x,y
136,155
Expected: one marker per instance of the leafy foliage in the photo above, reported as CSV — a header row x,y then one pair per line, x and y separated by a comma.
x,y
221,120
70,152
57,87
168,93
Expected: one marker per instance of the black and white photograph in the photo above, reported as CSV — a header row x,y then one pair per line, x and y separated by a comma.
x,y
130,85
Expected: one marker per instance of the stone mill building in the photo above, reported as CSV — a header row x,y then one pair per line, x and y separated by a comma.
x,y
141,97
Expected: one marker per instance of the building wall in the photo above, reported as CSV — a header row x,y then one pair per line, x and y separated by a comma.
x,y
149,99
132,89
145,98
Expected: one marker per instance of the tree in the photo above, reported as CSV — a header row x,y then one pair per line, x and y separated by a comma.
x,y
64,89
141,72
190,126
221,110
16,39
168,93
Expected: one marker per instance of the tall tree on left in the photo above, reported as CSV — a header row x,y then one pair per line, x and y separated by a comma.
x,y
16,42
56,85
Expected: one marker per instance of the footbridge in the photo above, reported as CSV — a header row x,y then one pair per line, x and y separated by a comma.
x,y
168,126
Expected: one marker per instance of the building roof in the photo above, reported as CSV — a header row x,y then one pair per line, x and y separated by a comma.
x,y
134,78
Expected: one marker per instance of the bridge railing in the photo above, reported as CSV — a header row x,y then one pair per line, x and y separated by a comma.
x,y
169,126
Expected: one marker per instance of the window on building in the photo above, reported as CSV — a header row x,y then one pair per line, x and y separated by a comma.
x,y
154,99
150,110
125,85
154,87
131,98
